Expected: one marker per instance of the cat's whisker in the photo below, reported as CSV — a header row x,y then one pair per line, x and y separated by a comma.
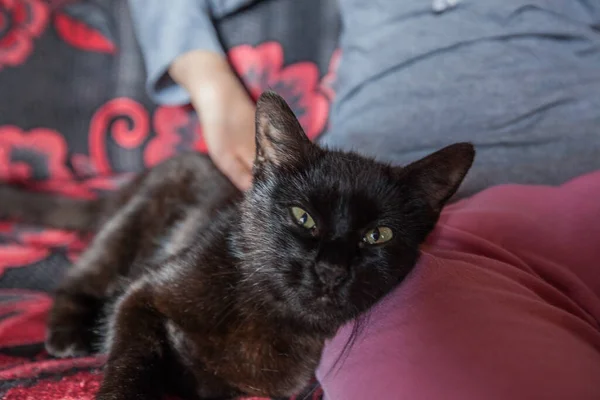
x,y
249,277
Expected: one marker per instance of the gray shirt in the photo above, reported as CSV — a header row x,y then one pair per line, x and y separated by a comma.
x,y
519,78
167,29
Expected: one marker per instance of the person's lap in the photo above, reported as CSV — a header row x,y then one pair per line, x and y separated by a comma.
x,y
505,304
518,78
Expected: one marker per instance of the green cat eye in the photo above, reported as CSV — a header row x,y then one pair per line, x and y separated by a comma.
x,y
379,235
302,218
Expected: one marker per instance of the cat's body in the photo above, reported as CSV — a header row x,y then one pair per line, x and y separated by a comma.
x,y
211,295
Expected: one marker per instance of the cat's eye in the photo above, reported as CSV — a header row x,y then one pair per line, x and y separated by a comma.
x,y
303,218
378,235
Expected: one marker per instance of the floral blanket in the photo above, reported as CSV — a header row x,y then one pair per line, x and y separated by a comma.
x,y
75,120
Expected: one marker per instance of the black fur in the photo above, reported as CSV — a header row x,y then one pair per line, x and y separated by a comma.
x,y
218,295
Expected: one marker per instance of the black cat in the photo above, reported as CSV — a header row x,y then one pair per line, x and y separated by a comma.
x,y
214,294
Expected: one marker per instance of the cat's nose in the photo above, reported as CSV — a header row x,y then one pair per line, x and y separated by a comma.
x,y
331,275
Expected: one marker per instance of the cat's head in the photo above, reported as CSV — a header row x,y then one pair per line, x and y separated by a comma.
x,y
325,234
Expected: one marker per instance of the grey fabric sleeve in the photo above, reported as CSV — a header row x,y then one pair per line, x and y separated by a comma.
x,y
165,30
521,82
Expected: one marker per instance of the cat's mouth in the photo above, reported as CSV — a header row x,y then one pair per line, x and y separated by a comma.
x,y
327,310
327,301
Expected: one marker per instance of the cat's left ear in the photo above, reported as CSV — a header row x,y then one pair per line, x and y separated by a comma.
x,y
440,174
280,140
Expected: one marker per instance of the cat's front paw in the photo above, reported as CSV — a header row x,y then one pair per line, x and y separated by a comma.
x,y
67,342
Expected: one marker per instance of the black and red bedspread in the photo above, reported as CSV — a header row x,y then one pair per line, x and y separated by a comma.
x,y
75,120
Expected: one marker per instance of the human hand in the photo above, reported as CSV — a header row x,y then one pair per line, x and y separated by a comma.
x,y
226,112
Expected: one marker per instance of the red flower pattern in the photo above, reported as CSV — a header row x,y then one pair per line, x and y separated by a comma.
x,y
177,130
22,317
19,151
40,158
9,361
42,363
51,238
127,121
328,81
261,68
80,35
23,245
80,386
21,21
85,189
16,255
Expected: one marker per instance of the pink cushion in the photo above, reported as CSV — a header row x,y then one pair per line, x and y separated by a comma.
x,y
504,304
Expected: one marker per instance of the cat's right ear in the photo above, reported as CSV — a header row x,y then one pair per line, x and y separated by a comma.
x,y
280,140
440,174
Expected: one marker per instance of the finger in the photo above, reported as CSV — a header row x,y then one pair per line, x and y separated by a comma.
x,y
247,156
236,170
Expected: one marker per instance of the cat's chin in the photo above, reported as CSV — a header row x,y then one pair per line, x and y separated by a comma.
x,y
326,310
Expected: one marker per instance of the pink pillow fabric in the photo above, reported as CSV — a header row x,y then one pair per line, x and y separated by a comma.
x,y
504,304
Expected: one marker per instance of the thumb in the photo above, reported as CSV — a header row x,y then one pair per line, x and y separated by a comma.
x,y
246,157
236,170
